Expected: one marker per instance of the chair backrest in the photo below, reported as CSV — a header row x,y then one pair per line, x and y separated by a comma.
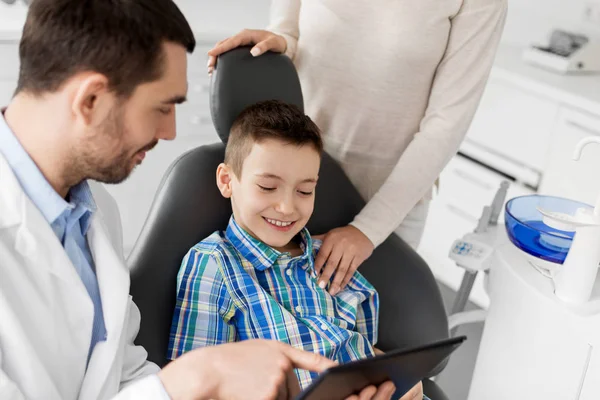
x,y
188,207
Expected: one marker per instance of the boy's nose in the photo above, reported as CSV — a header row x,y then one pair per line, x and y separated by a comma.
x,y
285,206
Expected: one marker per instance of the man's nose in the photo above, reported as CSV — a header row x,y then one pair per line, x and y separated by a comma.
x,y
168,128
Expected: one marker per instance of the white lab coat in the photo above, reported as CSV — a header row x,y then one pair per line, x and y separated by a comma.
x,y
46,314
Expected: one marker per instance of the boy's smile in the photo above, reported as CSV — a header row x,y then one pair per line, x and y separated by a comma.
x,y
274,197
282,226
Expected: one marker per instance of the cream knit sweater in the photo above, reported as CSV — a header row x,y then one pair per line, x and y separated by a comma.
x,y
393,84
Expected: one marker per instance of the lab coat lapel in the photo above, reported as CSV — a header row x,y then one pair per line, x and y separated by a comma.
x,y
42,257
113,281
35,239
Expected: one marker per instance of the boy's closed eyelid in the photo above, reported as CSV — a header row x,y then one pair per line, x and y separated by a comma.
x,y
265,188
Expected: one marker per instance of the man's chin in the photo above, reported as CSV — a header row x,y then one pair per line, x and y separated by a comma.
x,y
115,177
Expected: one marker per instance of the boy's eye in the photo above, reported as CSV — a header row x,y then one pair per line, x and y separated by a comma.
x,y
305,193
266,189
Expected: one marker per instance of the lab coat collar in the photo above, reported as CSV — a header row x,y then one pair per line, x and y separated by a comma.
x,y
34,237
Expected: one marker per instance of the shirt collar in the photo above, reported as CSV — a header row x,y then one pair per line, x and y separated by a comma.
x,y
259,254
35,185
83,201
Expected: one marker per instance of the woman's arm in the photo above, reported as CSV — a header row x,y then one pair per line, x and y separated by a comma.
x,y
284,20
457,88
281,37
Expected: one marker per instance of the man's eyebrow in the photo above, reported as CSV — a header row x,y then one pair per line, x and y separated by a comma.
x,y
178,99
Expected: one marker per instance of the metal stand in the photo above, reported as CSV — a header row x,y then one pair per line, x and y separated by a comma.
x,y
489,217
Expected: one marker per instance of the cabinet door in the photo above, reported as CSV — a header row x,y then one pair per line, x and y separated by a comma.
x,y
514,123
577,180
7,88
9,56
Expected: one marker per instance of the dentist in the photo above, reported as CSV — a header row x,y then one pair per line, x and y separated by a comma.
x,y
98,85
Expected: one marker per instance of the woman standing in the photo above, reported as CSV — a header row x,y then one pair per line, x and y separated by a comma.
x,y
393,85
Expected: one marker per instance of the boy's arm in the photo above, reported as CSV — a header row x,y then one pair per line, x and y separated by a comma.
x,y
203,309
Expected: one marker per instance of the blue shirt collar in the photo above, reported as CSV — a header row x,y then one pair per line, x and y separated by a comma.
x,y
261,255
37,188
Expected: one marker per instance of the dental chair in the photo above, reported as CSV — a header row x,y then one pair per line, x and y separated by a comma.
x,y
188,207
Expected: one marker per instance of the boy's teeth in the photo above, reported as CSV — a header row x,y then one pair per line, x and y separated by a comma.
x,y
278,223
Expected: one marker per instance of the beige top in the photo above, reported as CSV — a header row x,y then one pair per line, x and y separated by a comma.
x,y
393,84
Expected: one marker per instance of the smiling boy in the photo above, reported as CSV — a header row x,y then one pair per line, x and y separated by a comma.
x,y
257,279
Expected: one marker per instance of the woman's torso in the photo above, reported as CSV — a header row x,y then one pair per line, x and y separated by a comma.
x,y
367,69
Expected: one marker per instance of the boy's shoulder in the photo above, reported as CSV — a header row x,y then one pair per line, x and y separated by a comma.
x,y
215,246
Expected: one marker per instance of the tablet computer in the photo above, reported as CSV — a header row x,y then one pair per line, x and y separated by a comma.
x,y
405,367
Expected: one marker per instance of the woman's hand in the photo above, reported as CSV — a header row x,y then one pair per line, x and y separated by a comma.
x,y
343,251
263,41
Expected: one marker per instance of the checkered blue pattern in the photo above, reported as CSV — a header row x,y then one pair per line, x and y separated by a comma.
x,y
233,287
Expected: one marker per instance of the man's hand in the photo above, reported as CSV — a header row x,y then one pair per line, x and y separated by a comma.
x,y
342,252
263,41
252,369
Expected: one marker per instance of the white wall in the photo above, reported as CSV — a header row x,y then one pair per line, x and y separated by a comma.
x,y
220,17
12,17
528,20
531,20
225,16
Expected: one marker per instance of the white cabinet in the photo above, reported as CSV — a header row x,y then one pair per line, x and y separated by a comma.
x,y
7,89
9,60
514,122
9,70
578,180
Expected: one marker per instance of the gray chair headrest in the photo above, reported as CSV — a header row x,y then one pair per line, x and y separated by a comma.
x,y
240,80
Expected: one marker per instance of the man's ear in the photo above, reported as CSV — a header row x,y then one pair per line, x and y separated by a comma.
x,y
224,179
91,103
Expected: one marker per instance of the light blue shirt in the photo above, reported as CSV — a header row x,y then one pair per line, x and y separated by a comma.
x,y
70,220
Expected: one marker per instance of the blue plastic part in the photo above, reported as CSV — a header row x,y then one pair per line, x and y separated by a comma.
x,y
528,232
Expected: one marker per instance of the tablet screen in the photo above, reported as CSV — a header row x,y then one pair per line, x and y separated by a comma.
x,y
405,367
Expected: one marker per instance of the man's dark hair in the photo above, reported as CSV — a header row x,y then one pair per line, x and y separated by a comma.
x,y
121,39
269,120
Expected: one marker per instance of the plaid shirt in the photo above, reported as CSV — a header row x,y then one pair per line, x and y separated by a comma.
x,y
233,287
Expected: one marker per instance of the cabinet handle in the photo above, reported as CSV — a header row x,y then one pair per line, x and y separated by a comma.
x,y
584,128
463,214
466,176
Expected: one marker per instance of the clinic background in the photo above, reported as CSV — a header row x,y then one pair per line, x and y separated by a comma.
x,y
525,128
528,21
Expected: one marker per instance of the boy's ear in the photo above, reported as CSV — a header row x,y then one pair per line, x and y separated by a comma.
x,y
224,178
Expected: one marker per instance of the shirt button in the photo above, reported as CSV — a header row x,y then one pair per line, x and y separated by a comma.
x,y
289,272
324,327
298,308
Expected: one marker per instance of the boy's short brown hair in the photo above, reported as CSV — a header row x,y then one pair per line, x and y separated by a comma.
x,y
121,39
269,120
